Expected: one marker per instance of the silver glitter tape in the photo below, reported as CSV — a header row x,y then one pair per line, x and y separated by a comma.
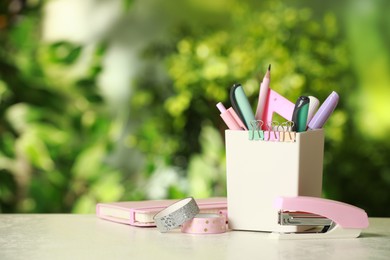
x,y
176,214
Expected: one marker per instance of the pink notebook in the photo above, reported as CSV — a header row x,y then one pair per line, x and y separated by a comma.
x,y
141,213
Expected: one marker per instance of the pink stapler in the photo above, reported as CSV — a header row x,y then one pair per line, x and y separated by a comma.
x,y
323,218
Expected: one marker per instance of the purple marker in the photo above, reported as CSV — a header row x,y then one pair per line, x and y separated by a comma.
x,y
324,112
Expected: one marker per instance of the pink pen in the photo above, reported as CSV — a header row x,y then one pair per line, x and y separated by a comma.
x,y
263,94
228,118
237,118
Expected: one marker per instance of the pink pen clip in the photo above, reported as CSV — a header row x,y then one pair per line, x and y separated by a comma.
x,y
337,219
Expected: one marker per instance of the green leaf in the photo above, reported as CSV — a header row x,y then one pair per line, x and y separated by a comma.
x,y
89,163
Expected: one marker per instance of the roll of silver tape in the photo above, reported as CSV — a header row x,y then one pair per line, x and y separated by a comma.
x,y
176,214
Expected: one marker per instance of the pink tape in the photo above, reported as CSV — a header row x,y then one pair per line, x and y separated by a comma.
x,y
205,224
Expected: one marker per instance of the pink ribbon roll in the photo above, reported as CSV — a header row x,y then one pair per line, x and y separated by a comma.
x,y
205,224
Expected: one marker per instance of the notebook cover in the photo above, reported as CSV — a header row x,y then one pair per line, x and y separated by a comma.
x,y
130,208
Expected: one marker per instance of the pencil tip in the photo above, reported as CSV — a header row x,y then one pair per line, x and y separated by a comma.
x,y
268,73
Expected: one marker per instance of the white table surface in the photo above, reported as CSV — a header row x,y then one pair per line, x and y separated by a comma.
x,y
70,236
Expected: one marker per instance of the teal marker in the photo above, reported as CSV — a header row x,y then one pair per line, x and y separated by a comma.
x,y
300,113
241,105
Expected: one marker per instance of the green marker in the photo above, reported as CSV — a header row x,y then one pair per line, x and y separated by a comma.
x,y
300,113
241,105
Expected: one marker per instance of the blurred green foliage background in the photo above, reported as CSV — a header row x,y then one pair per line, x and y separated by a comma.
x,y
115,100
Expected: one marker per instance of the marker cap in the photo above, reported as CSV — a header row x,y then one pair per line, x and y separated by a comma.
x,y
324,112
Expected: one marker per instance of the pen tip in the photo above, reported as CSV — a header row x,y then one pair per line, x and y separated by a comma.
x,y
269,67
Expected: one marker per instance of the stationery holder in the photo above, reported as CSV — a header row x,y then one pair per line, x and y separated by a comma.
x,y
259,171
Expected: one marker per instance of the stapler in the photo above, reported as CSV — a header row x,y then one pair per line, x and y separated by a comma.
x,y
323,218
